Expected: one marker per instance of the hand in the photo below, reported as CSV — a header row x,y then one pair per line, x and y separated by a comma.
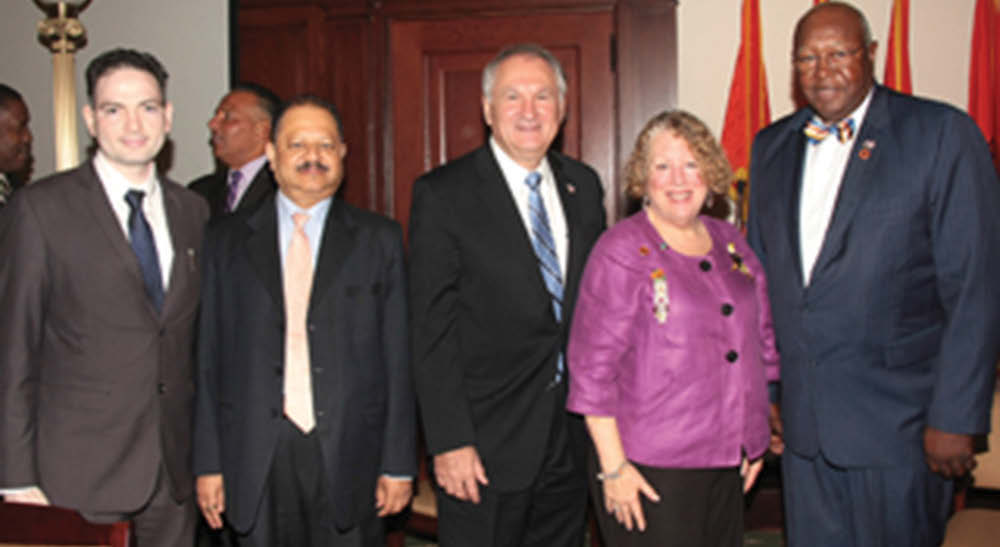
x,y
749,470
777,444
459,472
621,497
948,454
211,498
392,495
31,496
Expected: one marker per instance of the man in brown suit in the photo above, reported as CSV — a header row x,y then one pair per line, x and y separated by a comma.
x,y
99,293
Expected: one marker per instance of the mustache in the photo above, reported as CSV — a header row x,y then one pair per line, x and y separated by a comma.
x,y
310,165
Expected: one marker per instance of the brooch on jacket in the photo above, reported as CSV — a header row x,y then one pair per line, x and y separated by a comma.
x,y
661,301
737,260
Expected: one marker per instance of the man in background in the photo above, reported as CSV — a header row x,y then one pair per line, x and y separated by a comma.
x,y
99,302
240,130
15,142
875,216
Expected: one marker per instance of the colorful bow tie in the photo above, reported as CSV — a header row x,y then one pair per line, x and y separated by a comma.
x,y
816,131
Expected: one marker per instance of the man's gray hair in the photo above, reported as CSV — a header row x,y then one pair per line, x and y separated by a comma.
x,y
531,50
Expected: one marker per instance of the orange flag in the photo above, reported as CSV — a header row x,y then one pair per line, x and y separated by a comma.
x,y
897,54
984,73
748,110
818,2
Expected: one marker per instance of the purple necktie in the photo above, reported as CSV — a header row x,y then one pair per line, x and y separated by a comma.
x,y
233,192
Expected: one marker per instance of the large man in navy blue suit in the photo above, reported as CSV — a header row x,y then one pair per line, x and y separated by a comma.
x,y
880,247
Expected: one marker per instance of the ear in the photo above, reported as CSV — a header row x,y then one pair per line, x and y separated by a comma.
x,y
269,150
487,114
562,108
88,119
168,116
872,48
343,150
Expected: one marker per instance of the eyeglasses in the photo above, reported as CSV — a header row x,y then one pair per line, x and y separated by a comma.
x,y
833,59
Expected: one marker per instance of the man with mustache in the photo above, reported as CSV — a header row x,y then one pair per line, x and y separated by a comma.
x,y
305,427
15,141
240,129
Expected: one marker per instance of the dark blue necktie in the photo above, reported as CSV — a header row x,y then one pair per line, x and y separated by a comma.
x,y
141,238
545,249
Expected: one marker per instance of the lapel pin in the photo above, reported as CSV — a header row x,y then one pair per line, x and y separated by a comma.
x,y
866,149
571,189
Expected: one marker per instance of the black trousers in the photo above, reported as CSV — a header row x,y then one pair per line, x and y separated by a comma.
x,y
295,509
697,508
550,513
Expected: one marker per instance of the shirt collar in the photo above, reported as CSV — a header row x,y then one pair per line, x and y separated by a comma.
x,y
514,172
116,184
250,168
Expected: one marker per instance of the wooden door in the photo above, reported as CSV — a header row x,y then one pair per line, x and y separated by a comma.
x,y
434,83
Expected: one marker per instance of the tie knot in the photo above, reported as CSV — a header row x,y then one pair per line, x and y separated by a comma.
x,y
816,131
235,177
533,179
134,198
300,220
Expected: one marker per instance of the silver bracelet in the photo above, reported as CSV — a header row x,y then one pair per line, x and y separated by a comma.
x,y
613,474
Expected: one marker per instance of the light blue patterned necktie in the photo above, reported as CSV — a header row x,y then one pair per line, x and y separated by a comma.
x,y
545,250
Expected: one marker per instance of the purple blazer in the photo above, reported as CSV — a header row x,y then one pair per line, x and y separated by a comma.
x,y
679,349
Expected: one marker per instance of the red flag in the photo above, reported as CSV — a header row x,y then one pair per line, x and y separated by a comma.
x,y
815,2
984,74
748,110
897,54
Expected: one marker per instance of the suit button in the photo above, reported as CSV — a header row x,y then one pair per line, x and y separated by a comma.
x,y
320,413
705,265
163,332
161,388
275,414
732,356
317,370
278,371
312,327
727,309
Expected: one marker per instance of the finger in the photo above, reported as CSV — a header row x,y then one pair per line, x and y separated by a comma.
x,y
480,472
648,491
640,518
472,489
628,517
753,471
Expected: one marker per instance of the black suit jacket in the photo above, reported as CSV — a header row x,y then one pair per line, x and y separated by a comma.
x,y
485,338
358,344
214,188
898,327
96,387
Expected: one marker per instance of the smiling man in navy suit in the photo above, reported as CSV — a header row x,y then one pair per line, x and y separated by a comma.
x,y
875,215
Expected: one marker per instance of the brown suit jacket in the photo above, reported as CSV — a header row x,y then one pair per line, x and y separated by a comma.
x,y
96,387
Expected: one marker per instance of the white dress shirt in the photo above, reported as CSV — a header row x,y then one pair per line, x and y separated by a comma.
x,y
822,173
116,186
514,174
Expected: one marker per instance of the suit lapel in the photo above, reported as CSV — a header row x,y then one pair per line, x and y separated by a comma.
x,y
183,268
855,184
567,197
105,217
337,243
262,248
258,189
794,163
498,202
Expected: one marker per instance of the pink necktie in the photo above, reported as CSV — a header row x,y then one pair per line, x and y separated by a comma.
x,y
298,284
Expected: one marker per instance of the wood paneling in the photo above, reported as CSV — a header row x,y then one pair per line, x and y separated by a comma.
x,y
405,76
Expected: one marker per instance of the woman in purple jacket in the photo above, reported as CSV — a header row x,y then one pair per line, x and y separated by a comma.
x,y
671,350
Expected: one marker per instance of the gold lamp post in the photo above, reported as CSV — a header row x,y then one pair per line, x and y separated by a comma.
x,y
63,34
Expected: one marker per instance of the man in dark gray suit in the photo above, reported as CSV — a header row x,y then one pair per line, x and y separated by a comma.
x,y
875,216
305,428
99,300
